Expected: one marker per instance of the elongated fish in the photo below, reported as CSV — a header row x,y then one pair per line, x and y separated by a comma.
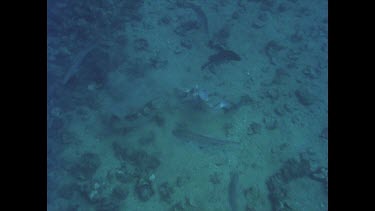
x,y
76,63
201,140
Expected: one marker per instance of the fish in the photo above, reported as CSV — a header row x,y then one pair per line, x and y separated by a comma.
x,y
221,57
198,139
77,63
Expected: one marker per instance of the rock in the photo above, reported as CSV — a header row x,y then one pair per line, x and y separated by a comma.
x,y
304,96
144,190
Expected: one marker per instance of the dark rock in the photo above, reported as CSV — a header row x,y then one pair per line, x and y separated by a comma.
x,y
165,20
186,27
93,191
287,108
245,100
272,49
267,5
121,40
182,180
215,178
120,192
249,208
124,176
227,127
251,195
279,111
273,94
310,72
304,96
324,133
321,175
277,191
280,75
141,44
257,24
276,184
144,161
157,63
165,192
186,43
219,39
67,190
178,206
254,128
147,139
120,152
107,204
86,166
270,123
56,125
293,169
296,37
260,21
283,7
144,190
137,68
235,15
159,120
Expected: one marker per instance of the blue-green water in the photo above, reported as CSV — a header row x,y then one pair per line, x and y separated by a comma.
x,y
143,97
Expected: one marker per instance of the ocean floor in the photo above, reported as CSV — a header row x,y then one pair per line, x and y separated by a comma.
x,y
187,105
